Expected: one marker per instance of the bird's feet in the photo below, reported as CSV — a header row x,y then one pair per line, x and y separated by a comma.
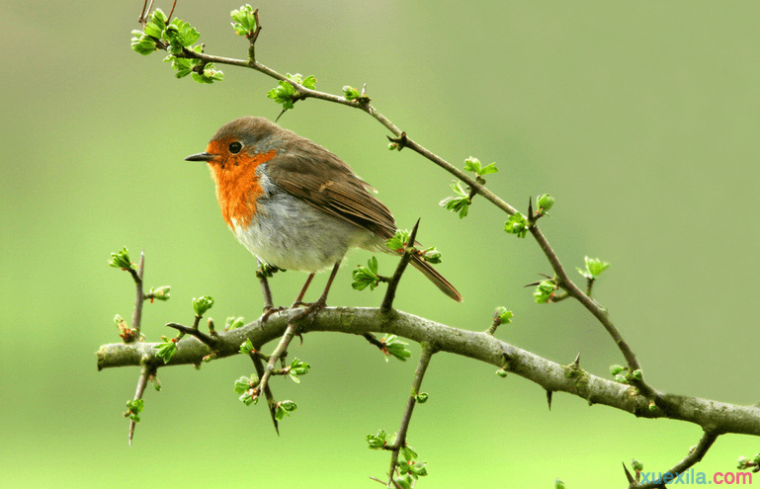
x,y
309,308
269,310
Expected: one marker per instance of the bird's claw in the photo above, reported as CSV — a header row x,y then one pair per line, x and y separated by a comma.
x,y
268,311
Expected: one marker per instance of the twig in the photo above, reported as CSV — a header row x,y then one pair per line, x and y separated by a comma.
x,y
694,457
419,374
207,340
390,293
271,403
137,276
374,341
171,12
142,383
282,346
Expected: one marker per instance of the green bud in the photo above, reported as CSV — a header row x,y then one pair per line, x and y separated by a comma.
x,y
431,255
166,349
399,241
652,406
395,347
742,463
244,21
617,369
161,293
202,304
250,397
284,408
502,315
545,202
136,406
247,347
594,267
422,397
377,440
392,146
472,164
232,323
242,384
120,259
366,277
517,224
501,373
350,93
637,374
559,484
621,378
636,465
544,291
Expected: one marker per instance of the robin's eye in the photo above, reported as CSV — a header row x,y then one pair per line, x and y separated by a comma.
x,y
235,147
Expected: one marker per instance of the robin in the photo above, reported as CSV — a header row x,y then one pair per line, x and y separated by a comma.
x,y
295,205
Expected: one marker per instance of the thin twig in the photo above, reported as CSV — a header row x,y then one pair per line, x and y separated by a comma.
x,y
390,292
137,276
282,346
271,402
207,340
419,374
171,12
695,456
142,382
265,290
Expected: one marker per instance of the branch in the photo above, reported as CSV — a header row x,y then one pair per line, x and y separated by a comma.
x,y
717,417
406,256
695,456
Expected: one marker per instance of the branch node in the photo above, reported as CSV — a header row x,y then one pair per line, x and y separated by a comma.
x,y
401,141
390,293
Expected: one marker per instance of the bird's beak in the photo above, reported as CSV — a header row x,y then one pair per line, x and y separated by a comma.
x,y
201,157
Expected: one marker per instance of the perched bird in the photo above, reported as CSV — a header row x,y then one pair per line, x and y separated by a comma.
x,y
294,204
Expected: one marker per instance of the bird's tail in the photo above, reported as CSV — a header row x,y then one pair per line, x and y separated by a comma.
x,y
436,278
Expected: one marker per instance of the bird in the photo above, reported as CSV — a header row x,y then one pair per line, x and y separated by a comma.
x,y
295,205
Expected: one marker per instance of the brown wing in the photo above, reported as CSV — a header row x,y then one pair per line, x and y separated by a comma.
x,y
310,172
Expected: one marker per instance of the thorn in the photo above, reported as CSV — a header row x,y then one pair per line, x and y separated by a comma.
x,y
364,91
628,474
549,398
547,276
278,117
530,208
533,284
577,361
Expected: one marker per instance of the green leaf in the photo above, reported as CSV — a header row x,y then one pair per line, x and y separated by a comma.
x,y
242,384
502,315
244,21
517,224
120,259
377,440
143,44
284,408
366,276
161,293
166,349
431,255
399,240
395,347
246,347
472,164
136,406
158,17
488,169
636,465
559,484
544,291
422,398
310,82
232,323
351,93
202,304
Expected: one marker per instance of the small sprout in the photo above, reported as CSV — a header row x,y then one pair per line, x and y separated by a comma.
x,y
209,74
125,332
517,224
154,380
473,164
594,267
244,21
143,43
559,484
392,146
297,367
244,384
267,270
247,347
652,406
404,482
399,240
161,293
286,94
415,469
202,304
431,255
636,465
120,259
179,34
502,316
545,202
637,374
166,349
544,291
366,276
351,93
377,440
743,463
460,203
133,409
251,396
617,369
393,346
501,373
234,323
422,397
621,378
284,408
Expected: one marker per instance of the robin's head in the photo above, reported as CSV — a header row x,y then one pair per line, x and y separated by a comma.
x,y
239,144
233,155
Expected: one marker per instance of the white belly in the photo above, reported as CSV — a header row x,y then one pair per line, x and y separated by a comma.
x,y
291,234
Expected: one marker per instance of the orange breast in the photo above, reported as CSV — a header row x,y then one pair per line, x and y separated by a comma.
x,y
237,186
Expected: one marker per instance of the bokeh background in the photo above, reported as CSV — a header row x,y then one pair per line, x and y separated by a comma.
x,y
640,118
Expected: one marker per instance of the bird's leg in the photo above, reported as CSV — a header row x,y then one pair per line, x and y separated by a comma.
x,y
269,308
299,299
320,303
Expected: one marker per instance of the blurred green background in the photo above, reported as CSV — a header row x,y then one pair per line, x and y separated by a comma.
x,y
640,118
